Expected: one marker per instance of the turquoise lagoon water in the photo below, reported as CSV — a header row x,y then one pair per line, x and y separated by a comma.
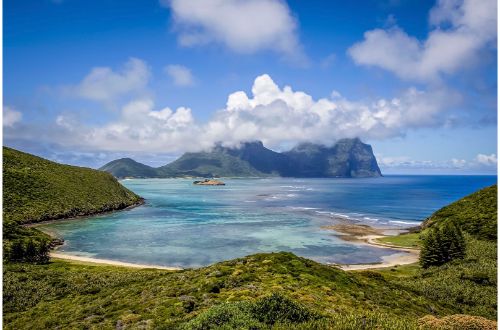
x,y
190,226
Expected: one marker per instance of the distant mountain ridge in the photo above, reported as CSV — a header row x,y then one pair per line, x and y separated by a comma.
x,y
346,158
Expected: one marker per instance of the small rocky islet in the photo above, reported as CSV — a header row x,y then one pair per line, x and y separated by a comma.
x,y
209,182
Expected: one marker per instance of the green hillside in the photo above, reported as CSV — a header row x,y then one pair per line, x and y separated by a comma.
x,y
347,158
126,167
69,295
209,164
35,189
475,214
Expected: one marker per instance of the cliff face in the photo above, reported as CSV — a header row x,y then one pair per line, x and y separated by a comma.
x,y
347,158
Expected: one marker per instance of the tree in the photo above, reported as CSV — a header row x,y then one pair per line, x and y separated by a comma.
x,y
442,245
430,254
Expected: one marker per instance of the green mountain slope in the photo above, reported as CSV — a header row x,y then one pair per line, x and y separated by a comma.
x,y
126,167
347,158
217,163
35,189
476,214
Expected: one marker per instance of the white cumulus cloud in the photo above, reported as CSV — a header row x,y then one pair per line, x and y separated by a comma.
x,y
281,115
11,116
180,75
242,26
140,127
461,29
486,159
278,116
105,85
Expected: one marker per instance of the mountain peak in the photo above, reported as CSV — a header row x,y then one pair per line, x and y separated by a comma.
x,y
346,158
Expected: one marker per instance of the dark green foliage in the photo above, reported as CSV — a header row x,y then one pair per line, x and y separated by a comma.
x,y
475,214
23,244
35,189
468,286
277,308
67,295
217,163
263,313
347,158
441,245
225,317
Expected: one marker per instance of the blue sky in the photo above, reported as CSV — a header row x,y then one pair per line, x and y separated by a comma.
x,y
89,81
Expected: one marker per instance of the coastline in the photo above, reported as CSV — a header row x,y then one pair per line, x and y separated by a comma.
x,y
63,256
142,201
367,235
410,256
348,231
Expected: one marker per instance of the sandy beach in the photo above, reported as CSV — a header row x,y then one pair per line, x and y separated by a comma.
x,y
364,234
355,233
107,262
403,257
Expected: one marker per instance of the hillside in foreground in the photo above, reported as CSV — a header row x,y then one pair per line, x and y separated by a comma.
x,y
36,189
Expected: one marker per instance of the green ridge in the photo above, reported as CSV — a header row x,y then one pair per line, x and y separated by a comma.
x,y
475,214
36,189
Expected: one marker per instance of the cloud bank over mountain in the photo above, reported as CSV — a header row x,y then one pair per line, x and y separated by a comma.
x,y
276,115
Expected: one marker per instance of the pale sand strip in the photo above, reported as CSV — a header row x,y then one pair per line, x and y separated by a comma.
x,y
108,262
410,256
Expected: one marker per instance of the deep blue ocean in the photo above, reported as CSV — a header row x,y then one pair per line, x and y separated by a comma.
x,y
191,226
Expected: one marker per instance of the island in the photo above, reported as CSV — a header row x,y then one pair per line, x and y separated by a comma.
x,y
209,182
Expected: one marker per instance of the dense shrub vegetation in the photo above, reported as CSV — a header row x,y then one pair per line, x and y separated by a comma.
x,y
475,214
441,245
73,295
23,244
468,286
35,189
457,322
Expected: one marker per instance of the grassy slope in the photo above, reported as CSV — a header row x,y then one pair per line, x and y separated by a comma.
x,y
126,167
207,164
475,214
71,295
35,189
411,240
470,284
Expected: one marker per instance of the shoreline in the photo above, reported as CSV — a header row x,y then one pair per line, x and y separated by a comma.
x,y
141,202
109,262
367,235
410,256
347,231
